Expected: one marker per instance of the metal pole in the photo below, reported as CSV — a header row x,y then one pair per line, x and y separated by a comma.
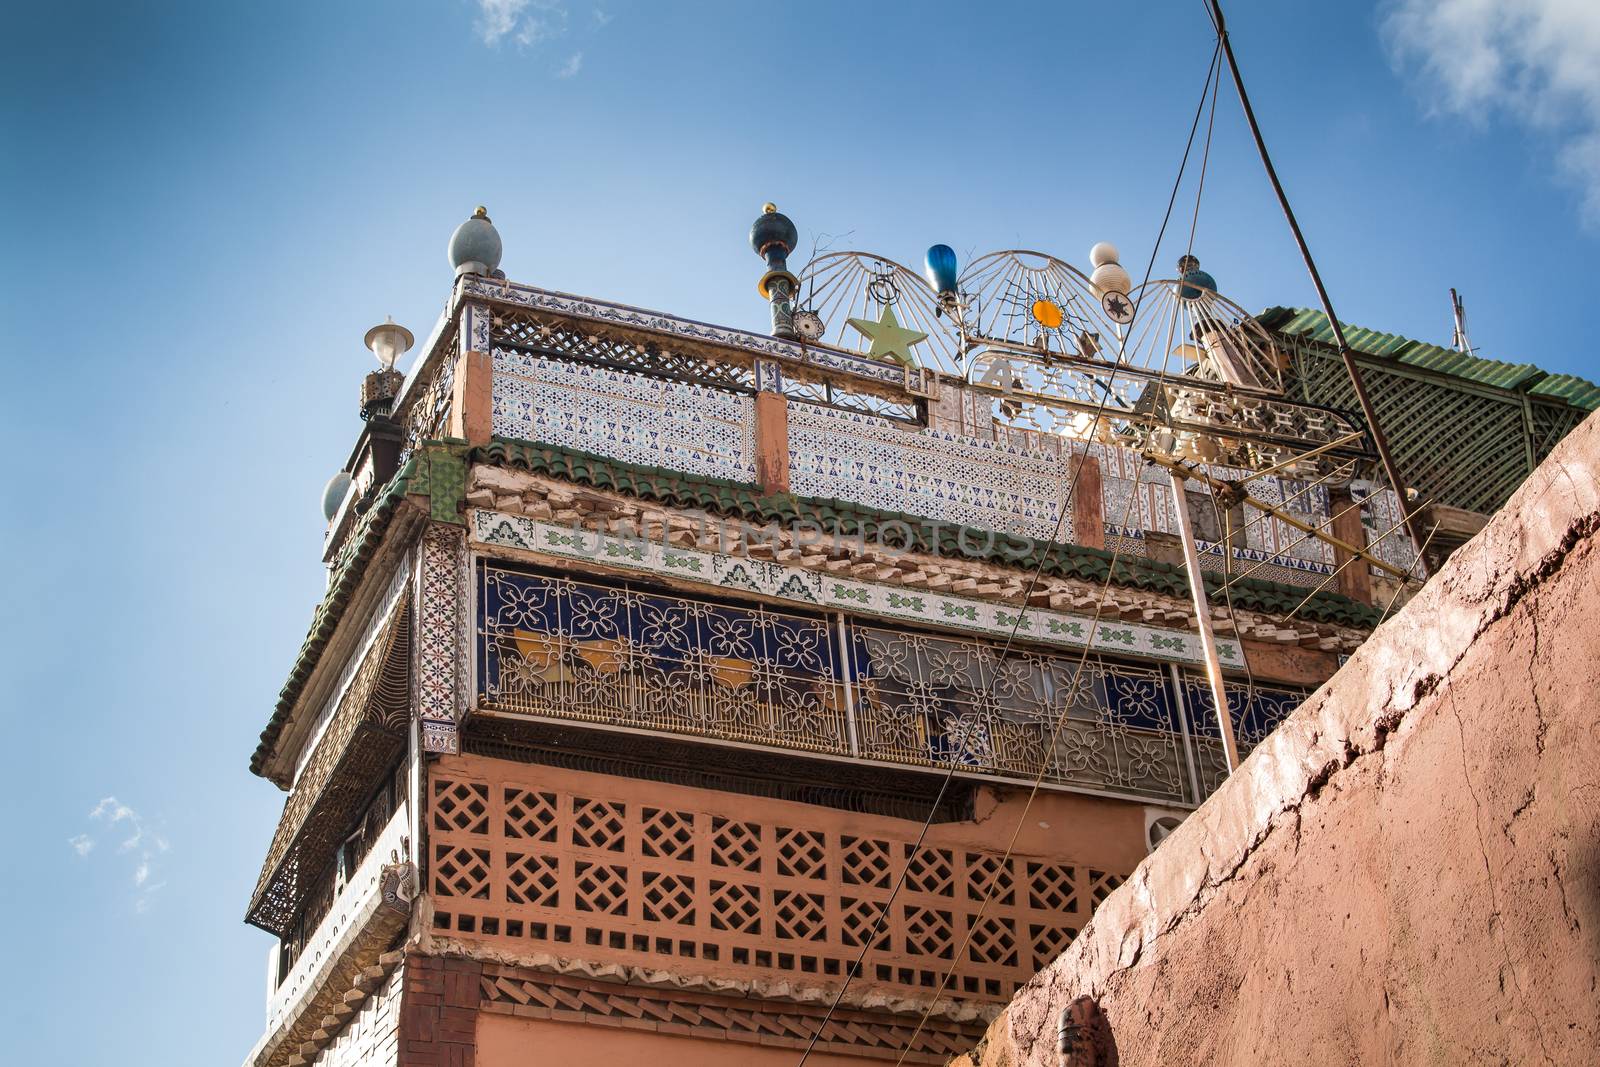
x,y
1202,611
1390,471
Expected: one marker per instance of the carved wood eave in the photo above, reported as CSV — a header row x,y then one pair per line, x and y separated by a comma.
x,y
362,739
400,535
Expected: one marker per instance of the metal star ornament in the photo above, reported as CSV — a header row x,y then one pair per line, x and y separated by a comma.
x,y
889,339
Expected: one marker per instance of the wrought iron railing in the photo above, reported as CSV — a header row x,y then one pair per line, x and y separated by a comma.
x,y
555,647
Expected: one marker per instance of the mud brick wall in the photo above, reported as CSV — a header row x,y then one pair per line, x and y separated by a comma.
x,y
1408,871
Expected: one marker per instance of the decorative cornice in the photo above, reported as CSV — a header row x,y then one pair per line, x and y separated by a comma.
x,y
843,519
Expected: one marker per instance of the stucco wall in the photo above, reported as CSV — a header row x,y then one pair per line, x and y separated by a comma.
x,y
1408,871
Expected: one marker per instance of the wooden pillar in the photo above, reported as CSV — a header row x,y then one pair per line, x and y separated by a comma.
x,y
1355,581
1088,505
772,443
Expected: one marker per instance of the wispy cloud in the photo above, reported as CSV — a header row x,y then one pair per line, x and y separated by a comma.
x,y
532,23
496,18
1535,63
119,822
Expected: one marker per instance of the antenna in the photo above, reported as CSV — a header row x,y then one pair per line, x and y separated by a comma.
x,y
1458,310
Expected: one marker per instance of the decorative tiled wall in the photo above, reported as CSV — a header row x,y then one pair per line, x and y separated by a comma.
x,y
629,417
929,473
814,589
442,636
1381,515
1138,497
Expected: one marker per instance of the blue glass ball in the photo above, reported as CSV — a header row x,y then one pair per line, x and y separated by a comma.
x,y
940,266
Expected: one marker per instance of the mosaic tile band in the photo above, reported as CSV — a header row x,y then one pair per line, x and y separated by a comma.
x,y
826,591
442,636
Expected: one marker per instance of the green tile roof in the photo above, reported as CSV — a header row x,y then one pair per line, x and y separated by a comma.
x,y
842,518
1517,377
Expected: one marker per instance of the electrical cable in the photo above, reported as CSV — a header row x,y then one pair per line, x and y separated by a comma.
x,y
1044,556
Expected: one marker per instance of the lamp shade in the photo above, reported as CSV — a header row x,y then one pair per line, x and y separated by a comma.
x,y
941,268
388,341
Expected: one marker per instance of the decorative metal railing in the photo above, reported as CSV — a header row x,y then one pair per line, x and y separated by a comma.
x,y
350,902
622,656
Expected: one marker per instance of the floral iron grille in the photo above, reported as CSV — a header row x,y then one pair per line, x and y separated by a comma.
x,y
553,646
1257,710
945,701
560,648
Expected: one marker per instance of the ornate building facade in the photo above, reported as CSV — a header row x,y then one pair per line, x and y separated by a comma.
x,y
669,674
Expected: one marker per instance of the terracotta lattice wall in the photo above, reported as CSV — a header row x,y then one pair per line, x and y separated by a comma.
x,y
585,865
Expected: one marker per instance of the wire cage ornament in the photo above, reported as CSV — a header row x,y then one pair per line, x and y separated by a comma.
x,y
1173,368
840,286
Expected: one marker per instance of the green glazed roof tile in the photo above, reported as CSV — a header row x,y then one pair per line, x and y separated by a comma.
x,y
745,501
1517,377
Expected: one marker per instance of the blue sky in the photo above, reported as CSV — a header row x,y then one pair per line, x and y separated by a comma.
x,y
206,205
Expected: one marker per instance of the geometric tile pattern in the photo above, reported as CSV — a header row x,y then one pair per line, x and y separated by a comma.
x,y
679,885
943,476
628,417
441,645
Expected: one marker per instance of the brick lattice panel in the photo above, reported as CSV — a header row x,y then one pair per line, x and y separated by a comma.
x,y
565,862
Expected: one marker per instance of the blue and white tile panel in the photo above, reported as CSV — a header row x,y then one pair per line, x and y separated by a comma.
x,y
625,416
928,473
741,574
1138,496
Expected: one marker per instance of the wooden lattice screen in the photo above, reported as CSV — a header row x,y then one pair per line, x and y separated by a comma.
x,y
1458,444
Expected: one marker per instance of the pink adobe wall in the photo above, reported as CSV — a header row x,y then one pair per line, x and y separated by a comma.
x,y
1408,871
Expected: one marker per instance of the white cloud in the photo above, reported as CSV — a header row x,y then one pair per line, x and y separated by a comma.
x,y
571,67
496,18
1534,62
138,839
527,22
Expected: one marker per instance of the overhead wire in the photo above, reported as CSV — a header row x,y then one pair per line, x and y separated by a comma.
x,y
1044,556
1074,686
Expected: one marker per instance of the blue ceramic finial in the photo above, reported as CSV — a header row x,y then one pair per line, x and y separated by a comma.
x,y
1196,282
475,246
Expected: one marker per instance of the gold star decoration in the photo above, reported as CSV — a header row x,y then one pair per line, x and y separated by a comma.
x,y
889,339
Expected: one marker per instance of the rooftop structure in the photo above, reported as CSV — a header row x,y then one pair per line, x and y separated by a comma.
x,y
675,677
